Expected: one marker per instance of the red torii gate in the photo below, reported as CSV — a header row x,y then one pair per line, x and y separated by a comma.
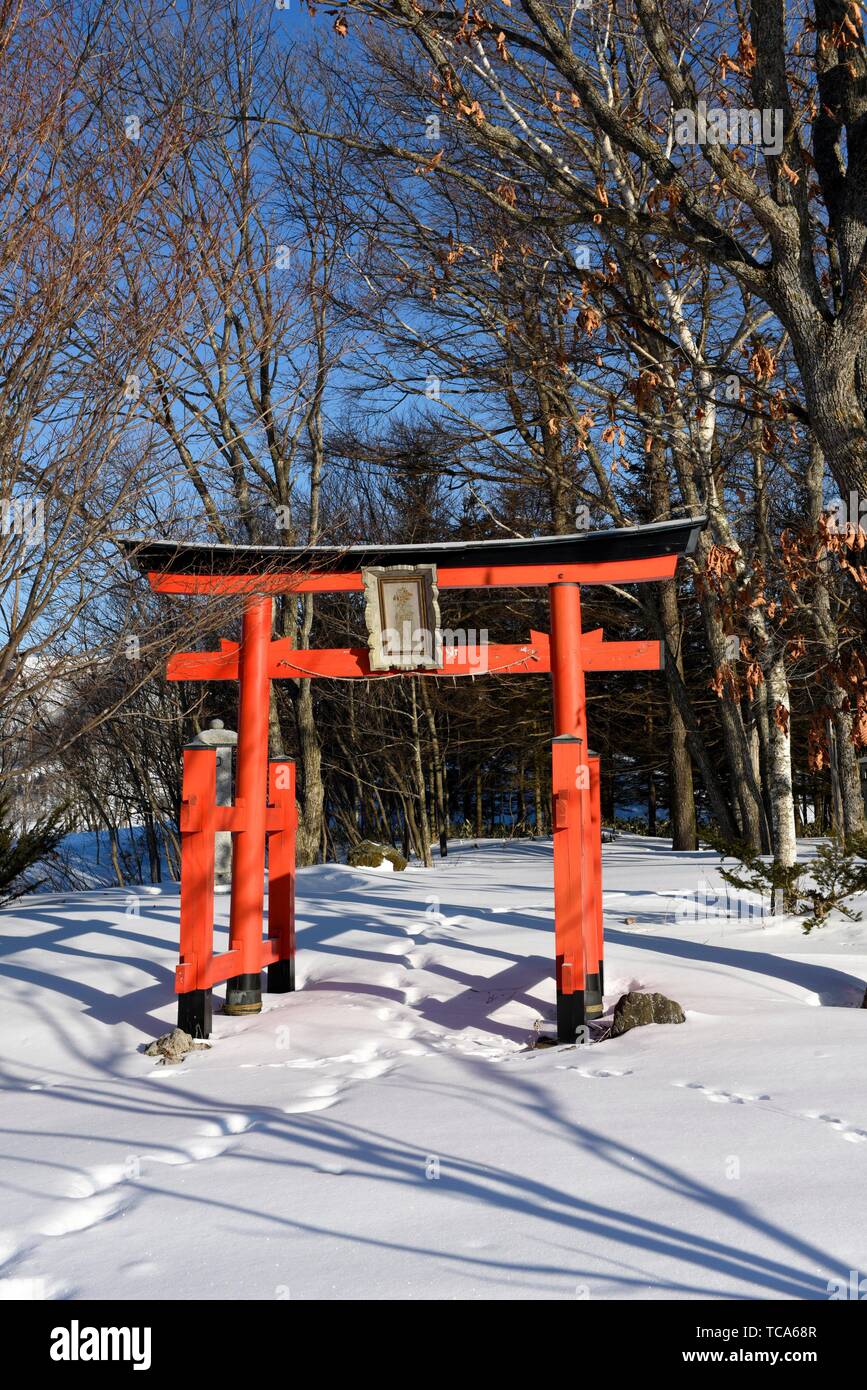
x,y
264,812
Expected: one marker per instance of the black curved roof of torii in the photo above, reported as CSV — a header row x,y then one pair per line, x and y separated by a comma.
x,y
617,543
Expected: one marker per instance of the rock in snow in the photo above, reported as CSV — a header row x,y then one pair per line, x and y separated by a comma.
x,y
173,1047
634,1009
367,855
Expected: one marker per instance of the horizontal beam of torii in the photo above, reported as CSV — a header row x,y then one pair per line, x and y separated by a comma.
x,y
286,662
468,577
616,555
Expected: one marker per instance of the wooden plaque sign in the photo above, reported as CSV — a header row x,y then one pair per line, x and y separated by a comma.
x,y
403,617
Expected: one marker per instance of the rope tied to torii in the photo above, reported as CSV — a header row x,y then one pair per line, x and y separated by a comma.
x,y
483,668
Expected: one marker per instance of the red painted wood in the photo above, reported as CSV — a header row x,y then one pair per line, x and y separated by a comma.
x,y
622,656
281,863
568,654
489,577
567,767
203,666
344,663
591,866
566,762
598,655
595,850
248,862
198,967
570,705
199,796
222,967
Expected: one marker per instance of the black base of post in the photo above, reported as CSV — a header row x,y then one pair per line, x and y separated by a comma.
x,y
281,977
243,995
570,1016
602,980
593,997
195,1012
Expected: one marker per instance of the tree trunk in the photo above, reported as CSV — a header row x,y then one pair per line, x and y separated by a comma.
x,y
747,793
849,774
522,793
851,808
682,791
537,793
424,823
836,410
115,856
780,762
153,850
680,700
312,792
439,788
834,771
414,835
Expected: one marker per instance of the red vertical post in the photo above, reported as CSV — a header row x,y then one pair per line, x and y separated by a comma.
x,y
567,674
281,878
569,753
596,853
591,841
244,991
566,762
198,800
578,890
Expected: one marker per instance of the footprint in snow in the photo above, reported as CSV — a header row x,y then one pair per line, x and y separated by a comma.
x,y
404,1028
420,958
846,1131
89,1199
719,1097
213,1139
327,1088
83,1213
306,1104
589,1071
226,1124
10,1248
370,1070
396,948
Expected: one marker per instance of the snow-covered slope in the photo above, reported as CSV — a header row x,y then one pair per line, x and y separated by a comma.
x,y
386,1132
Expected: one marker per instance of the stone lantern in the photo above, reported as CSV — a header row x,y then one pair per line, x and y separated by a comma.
x,y
223,740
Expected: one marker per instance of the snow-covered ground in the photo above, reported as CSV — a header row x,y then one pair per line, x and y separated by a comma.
x,y
387,1132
